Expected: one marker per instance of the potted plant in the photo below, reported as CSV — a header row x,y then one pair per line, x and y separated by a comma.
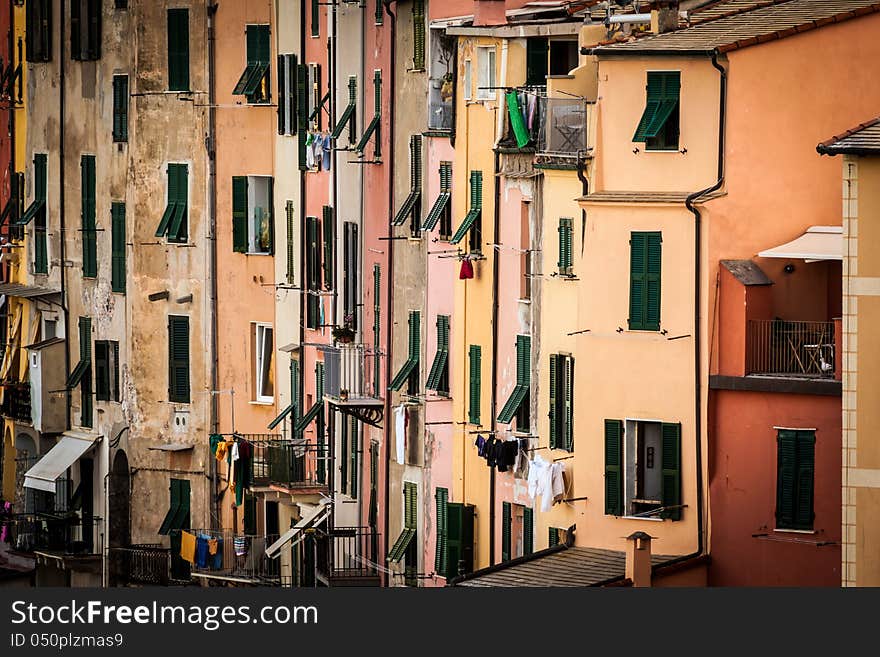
x,y
345,334
343,395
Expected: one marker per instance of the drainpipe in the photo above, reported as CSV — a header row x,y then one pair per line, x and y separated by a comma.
x,y
389,293
61,196
494,405
212,252
7,270
302,242
698,373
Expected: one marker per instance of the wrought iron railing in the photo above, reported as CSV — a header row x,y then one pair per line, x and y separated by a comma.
x,y
222,553
145,565
788,348
290,463
348,552
73,534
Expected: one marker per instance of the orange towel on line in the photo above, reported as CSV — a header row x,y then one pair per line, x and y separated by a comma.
x,y
188,547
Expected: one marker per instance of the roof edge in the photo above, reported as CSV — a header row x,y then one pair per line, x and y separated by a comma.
x,y
488,570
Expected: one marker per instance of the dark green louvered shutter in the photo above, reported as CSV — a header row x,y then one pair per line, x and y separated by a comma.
x,y
418,17
319,424
474,395
120,108
554,394
671,437
76,29
460,540
294,391
302,113
645,267
41,253
85,386
355,460
178,359
379,16
374,485
652,278
564,263
282,95
316,19
344,462
528,531
89,234
239,214
505,531
568,419
117,258
553,537
614,467
441,497
329,235
806,466
795,479
102,370
290,242
178,50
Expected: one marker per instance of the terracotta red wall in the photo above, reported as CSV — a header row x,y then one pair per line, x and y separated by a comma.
x,y
742,491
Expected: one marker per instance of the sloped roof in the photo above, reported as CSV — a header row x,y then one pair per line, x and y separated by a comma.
x,y
746,29
746,272
864,139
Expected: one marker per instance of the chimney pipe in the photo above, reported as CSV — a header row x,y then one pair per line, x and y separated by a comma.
x,y
665,17
638,559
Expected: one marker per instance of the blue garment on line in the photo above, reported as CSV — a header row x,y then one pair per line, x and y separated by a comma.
x,y
202,551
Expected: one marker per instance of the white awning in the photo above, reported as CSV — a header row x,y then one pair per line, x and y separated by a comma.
x,y
67,451
818,243
314,517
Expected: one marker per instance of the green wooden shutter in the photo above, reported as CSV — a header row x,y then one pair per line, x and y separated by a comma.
x,y
671,437
76,29
564,263
102,371
118,268
786,478
178,359
290,243
41,255
282,95
553,537
120,108
528,531
374,479
93,50
115,372
379,16
89,235
568,426
554,395
184,496
294,391
652,281
410,505
614,467
355,460
329,235
475,384
441,563
178,50
302,113
85,356
505,531
806,465
316,19
418,17
239,214
637,282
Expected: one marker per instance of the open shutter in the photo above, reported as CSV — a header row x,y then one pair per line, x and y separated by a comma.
x,y
637,283
102,370
282,95
114,371
786,476
613,467
474,392
329,235
302,112
568,433
271,192
355,457
178,359
672,470
441,497
528,531
505,531
316,19
652,281
117,265
806,458
291,268
554,368
239,214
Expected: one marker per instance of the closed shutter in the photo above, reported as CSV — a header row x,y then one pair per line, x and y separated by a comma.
x,y
645,266
94,30
553,537
117,264
178,191
795,479
89,235
316,19
178,50
418,16
355,457
441,497
290,243
415,348
178,359
554,393
568,432
283,107
637,283
806,465
114,371
120,108
374,478
475,383
379,16
294,391
239,214
505,531
671,437
564,263
613,467
329,235
85,356
76,29
102,371
302,113
528,532
652,282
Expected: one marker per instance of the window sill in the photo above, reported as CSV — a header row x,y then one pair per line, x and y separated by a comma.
x,y
795,531
256,253
664,150
259,402
642,518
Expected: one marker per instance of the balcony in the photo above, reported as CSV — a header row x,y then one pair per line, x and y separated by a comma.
x,y
238,558
347,556
140,565
785,348
17,402
564,129
350,382
70,536
295,465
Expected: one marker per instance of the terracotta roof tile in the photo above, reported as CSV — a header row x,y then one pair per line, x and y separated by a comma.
x,y
861,140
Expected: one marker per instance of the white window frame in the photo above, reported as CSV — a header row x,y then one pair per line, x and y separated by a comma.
x,y
630,425
261,353
468,80
253,181
486,75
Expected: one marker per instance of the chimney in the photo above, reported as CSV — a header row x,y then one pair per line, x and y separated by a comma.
x,y
638,559
489,12
664,16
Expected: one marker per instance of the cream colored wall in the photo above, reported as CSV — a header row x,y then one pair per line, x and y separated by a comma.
x,y
622,93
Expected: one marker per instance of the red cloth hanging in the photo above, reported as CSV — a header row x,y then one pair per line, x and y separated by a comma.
x,y
467,270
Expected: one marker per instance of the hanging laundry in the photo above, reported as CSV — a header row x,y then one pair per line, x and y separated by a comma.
x,y
318,148
508,450
467,270
240,545
221,450
212,546
187,546
214,442
310,152
557,484
328,146
201,560
217,560
516,122
480,442
400,432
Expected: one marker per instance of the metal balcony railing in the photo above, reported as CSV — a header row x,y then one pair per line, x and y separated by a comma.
x,y
71,535
17,402
145,565
221,553
348,552
348,373
289,463
785,348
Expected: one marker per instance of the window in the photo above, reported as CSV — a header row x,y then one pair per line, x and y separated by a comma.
x,y
659,126
329,235
106,370
409,372
406,544
120,108
474,357
89,231
412,206
122,4
292,409
50,329
562,402
418,23
349,114
350,273
37,212
316,99
85,29
117,255
38,30
473,220
313,272
486,72
82,374
454,549
536,61
253,210
291,244
563,56
565,230
178,359
178,49
643,469
517,531
441,81
249,514
795,476
644,281
468,80
374,127
177,518
264,371
287,87
316,19
14,208
438,379
254,81
175,218
517,404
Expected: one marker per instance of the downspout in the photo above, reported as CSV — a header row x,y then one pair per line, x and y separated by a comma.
x,y
698,373
7,270
496,265
389,292
212,252
302,242
61,218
